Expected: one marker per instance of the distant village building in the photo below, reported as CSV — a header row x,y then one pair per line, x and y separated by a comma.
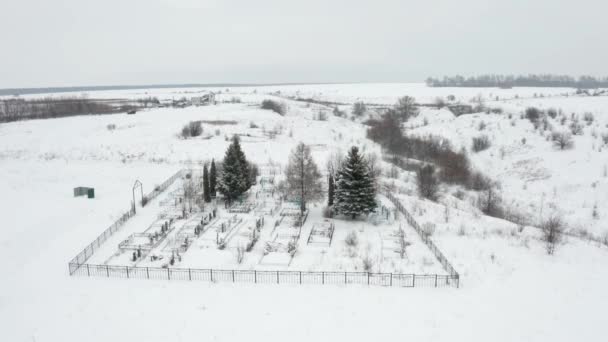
x,y
203,100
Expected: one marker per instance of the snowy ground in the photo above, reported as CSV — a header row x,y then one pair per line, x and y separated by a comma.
x,y
511,290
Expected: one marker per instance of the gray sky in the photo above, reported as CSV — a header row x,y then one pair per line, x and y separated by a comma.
x,y
86,42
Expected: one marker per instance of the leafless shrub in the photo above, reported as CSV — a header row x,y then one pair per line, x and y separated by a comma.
x,y
480,143
368,264
352,240
192,129
111,127
605,138
275,106
576,128
428,184
588,118
359,109
562,139
552,230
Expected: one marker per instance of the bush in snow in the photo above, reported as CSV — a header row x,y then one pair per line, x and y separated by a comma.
x,y
605,138
588,117
533,114
576,128
563,140
552,230
328,212
192,129
359,109
111,127
428,184
337,112
480,143
439,102
552,113
352,240
274,106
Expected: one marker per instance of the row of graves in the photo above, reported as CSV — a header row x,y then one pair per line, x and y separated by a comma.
x,y
180,222
283,243
321,234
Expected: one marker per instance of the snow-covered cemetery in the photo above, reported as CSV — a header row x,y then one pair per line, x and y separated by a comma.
x,y
309,195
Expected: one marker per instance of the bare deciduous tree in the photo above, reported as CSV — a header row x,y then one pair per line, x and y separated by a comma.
x,y
303,179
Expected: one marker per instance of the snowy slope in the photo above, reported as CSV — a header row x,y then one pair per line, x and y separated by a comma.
x,y
511,290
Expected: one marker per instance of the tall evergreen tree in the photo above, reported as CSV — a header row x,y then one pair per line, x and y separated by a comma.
x,y
212,179
303,179
330,190
206,192
235,177
355,193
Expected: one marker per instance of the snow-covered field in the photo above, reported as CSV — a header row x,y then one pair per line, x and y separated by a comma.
x,y
511,290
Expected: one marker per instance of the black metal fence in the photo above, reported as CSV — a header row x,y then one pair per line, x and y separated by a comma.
x,y
265,277
425,238
78,266
86,253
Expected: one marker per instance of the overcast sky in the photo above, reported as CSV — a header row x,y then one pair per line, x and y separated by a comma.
x,y
103,42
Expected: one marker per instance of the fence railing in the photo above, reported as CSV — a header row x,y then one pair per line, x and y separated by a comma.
x,y
86,253
78,266
265,277
425,238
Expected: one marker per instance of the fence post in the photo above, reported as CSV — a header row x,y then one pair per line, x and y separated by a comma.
x,y
367,278
127,268
211,274
391,279
168,273
255,276
147,272
322,277
435,280
88,273
413,280
277,277
189,275
233,276
300,277
107,271
344,278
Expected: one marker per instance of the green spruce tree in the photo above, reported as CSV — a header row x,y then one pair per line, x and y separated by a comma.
x,y
235,177
355,193
330,190
212,178
206,192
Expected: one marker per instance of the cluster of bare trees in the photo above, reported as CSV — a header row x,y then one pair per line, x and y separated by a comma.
x,y
20,109
508,81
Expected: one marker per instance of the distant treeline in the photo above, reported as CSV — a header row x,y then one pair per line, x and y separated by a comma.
x,y
509,81
22,109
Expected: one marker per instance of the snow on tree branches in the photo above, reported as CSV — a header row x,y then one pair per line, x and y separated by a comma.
x,y
235,176
355,193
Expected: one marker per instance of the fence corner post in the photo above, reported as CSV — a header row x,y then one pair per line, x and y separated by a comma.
x,y
88,272
107,271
